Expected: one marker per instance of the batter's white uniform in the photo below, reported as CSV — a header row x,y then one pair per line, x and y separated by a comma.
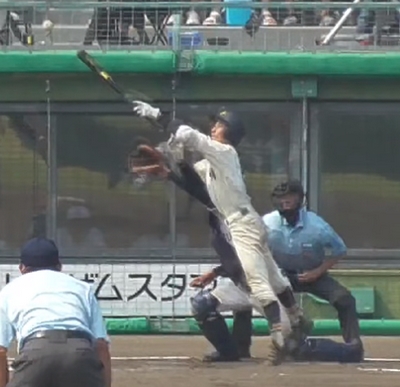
x,y
222,174
232,298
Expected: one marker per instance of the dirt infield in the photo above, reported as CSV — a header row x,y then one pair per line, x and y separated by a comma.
x,y
193,373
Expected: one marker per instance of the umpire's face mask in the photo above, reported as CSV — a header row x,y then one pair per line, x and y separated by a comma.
x,y
289,207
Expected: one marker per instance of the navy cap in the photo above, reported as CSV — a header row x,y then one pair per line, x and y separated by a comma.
x,y
40,252
293,186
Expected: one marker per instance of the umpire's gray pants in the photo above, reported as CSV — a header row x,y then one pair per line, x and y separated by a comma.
x,y
46,363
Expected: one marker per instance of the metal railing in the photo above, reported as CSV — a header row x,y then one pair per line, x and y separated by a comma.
x,y
272,26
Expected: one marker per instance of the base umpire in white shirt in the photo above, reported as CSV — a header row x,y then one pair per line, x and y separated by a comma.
x,y
57,321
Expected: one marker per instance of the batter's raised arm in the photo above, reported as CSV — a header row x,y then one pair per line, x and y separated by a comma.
x,y
143,109
193,139
227,132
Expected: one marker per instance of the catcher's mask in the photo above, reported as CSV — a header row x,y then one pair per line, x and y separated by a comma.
x,y
235,129
288,198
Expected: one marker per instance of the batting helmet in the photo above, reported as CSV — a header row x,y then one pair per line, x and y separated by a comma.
x,y
235,127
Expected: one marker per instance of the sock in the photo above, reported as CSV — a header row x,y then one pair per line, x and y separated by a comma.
x,y
273,314
288,301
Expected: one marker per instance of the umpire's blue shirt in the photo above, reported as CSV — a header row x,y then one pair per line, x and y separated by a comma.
x,y
47,300
304,246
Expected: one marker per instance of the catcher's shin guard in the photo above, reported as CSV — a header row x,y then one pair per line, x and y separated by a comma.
x,y
213,326
241,332
216,331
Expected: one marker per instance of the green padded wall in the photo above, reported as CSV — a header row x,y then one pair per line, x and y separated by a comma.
x,y
209,62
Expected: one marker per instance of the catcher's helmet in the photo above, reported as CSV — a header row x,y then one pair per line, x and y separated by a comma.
x,y
236,129
289,187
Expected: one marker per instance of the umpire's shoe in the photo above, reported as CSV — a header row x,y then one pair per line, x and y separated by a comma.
x,y
215,357
299,333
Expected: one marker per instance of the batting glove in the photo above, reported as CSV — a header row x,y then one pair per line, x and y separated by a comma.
x,y
143,109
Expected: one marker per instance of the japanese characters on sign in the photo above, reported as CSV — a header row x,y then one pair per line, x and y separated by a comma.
x,y
131,289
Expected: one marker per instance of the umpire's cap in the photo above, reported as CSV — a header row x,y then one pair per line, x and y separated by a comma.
x,y
236,129
288,187
40,252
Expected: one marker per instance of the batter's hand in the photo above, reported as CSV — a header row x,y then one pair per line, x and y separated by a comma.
x,y
143,109
309,276
203,280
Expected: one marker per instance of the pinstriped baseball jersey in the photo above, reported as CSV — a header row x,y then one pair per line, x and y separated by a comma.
x,y
220,170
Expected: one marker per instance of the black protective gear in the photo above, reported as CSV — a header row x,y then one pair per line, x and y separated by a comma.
x,y
290,187
213,325
241,332
204,304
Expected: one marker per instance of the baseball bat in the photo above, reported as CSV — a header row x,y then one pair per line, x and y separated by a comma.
x,y
95,67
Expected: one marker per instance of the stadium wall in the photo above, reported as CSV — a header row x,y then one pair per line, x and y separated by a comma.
x,y
225,76
237,76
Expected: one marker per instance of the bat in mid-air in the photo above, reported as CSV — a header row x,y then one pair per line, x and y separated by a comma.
x,y
95,67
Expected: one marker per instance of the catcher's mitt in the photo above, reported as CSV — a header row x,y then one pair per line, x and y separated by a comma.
x,y
146,159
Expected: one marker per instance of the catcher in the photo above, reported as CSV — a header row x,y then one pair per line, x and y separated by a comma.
x,y
260,279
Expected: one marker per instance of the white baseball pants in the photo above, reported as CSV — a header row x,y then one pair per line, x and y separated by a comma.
x,y
249,237
232,298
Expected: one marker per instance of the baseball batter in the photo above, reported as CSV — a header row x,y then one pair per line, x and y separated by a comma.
x,y
221,171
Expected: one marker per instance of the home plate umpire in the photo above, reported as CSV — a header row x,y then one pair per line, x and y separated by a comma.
x,y
57,321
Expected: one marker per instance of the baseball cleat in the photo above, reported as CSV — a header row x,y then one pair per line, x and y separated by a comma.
x,y
215,357
276,354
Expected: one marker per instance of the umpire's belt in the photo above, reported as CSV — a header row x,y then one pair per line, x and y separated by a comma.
x,y
236,215
57,336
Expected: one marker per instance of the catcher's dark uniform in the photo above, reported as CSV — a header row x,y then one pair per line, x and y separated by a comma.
x,y
210,321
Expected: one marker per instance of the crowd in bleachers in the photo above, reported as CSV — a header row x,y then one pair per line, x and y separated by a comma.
x,y
119,24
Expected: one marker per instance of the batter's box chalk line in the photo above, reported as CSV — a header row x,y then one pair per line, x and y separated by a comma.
x,y
133,358
379,369
184,358
381,360
187,358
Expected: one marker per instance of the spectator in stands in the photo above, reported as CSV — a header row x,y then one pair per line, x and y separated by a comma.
x,y
290,16
266,16
381,18
112,25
